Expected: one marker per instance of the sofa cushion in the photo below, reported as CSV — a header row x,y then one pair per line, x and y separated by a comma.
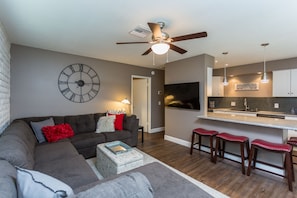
x,y
74,171
7,169
37,126
106,124
21,129
86,140
118,122
54,151
127,186
15,151
98,115
8,187
117,135
81,123
33,184
57,132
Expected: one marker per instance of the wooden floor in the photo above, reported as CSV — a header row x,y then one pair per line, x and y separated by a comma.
x,y
225,176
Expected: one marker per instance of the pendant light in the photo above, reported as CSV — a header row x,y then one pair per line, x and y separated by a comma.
x,y
264,78
225,80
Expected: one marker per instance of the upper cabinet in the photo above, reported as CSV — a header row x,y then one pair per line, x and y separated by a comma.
x,y
285,83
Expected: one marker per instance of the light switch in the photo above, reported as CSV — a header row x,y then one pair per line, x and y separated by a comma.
x,y
233,104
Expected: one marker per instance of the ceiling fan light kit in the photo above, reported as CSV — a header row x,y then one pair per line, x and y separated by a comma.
x,y
160,48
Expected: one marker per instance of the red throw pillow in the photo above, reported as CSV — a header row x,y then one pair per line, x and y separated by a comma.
x,y
57,132
118,122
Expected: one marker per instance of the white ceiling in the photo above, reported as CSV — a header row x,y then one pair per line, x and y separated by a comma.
x,y
92,27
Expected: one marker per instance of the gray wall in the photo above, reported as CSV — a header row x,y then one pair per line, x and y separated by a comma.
x,y
34,87
179,123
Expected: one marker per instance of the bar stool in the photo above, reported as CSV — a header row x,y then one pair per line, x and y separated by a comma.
x,y
203,132
226,137
273,147
293,142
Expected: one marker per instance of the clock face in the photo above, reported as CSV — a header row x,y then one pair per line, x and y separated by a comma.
x,y
79,83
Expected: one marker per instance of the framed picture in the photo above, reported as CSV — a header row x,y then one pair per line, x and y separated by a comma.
x,y
247,87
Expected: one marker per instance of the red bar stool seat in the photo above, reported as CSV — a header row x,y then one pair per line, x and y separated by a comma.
x,y
293,142
203,132
273,147
227,137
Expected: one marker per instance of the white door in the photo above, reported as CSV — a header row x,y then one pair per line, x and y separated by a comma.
x,y
140,101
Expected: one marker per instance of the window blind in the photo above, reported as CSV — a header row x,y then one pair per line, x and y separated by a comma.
x,y
4,80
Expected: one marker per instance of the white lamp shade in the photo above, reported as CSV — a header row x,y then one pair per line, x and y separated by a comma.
x,y
160,48
126,101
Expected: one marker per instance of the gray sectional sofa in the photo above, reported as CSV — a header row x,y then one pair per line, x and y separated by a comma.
x,y
65,159
84,126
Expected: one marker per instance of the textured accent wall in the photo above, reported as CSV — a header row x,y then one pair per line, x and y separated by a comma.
x,y
4,79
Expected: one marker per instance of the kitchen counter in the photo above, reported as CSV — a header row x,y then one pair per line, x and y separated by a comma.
x,y
252,120
226,110
249,125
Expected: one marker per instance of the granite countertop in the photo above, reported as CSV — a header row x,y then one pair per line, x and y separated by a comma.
x,y
252,120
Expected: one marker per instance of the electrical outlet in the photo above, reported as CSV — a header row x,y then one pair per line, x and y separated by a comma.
x,y
276,105
233,104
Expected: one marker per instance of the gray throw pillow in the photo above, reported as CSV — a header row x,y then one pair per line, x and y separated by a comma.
x,y
37,126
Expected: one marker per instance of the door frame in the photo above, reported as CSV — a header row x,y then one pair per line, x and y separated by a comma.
x,y
149,84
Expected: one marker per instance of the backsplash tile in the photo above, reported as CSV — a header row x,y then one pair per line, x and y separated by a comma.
x,y
259,103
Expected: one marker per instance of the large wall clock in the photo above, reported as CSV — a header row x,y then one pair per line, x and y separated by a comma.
x,y
79,83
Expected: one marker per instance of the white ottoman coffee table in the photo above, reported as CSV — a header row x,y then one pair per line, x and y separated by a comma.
x,y
109,163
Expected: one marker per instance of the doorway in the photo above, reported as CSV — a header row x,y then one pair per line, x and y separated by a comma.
x,y
141,100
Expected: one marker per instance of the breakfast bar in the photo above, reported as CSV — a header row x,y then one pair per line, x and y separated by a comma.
x,y
269,129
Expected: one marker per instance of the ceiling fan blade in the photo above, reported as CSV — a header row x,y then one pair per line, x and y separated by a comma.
x,y
147,52
177,49
156,30
131,42
189,36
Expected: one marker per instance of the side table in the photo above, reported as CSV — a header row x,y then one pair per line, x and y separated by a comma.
x,y
141,128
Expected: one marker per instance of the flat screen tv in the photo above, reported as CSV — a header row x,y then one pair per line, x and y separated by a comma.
x,y
182,95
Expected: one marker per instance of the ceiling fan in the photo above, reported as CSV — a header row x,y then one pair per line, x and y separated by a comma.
x,y
162,39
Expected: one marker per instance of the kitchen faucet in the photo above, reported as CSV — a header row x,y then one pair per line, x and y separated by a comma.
x,y
245,104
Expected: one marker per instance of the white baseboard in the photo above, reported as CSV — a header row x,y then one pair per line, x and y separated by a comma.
x,y
177,140
156,130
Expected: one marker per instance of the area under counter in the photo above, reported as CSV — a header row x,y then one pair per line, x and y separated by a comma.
x,y
269,129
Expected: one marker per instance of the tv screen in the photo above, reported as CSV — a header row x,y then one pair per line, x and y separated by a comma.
x,y
182,95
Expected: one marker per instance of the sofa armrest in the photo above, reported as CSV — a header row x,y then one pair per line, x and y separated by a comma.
x,y
131,124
